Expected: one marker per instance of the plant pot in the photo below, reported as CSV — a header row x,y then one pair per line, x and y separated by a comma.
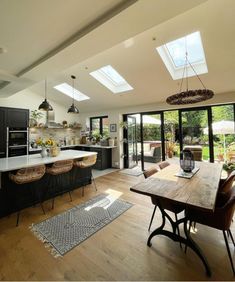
x,y
170,154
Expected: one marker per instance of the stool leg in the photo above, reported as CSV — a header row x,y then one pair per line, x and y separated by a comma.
x,y
18,218
82,191
70,196
92,178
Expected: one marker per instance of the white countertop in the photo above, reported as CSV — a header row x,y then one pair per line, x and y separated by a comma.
x,y
8,164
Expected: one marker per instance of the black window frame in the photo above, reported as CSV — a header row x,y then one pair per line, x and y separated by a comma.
x,y
101,123
208,108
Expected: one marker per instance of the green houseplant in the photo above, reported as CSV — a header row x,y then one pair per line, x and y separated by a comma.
x,y
35,116
229,167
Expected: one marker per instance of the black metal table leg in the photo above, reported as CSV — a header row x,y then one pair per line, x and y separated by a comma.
x,y
176,237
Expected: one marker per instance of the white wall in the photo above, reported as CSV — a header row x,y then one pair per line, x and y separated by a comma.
x,y
29,100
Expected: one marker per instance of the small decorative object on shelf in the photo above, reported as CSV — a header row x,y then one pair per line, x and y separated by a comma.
x,y
187,163
65,123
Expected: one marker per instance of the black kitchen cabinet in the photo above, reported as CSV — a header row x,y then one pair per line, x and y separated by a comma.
x,y
104,156
17,118
12,118
3,132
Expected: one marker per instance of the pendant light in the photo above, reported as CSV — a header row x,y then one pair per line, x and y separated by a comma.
x,y
73,109
189,96
45,106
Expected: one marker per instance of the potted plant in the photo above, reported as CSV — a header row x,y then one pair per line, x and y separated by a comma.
x,y
123,124
35,116
229,167
171,148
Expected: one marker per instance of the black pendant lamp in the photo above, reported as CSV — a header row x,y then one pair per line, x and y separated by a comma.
x,y
45,106
73,109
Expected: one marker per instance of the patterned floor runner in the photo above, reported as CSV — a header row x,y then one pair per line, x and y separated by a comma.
x,y
65,231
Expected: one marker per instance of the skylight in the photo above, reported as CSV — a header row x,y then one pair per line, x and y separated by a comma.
x,y
68,90
173,55
111,79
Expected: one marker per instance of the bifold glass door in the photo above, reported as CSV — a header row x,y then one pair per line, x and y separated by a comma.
x,y
151,140
131,141
195,133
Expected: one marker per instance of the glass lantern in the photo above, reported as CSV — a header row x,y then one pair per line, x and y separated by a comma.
x,y
187,162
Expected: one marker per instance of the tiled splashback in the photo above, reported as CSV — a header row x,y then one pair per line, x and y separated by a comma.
x,y
60,135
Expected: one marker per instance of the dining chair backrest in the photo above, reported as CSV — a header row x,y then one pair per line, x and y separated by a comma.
x,y
150,171
226,185
163,164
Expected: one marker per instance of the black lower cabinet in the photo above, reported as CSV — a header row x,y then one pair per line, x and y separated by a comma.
x,y
14,196
104,156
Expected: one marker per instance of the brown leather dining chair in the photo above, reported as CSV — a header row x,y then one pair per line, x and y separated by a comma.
x,y
226,184
26,176
220,219
173,207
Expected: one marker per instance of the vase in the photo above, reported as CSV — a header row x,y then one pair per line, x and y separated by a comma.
x,y
44,152
111,142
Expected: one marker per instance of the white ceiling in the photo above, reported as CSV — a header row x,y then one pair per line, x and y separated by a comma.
x,y
58,38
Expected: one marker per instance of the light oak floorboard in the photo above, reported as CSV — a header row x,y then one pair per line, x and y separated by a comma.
x,y
116,252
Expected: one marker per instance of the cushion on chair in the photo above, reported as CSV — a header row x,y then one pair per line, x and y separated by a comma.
x,y
27,175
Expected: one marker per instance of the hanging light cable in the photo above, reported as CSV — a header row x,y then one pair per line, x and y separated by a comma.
x,y
45,105
73,109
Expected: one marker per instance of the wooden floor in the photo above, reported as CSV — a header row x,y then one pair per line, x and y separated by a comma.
x,y
116,252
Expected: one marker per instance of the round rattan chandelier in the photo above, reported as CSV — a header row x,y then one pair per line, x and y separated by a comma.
x,y
189,96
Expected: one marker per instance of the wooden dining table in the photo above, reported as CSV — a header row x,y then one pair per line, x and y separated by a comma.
x,y
199,192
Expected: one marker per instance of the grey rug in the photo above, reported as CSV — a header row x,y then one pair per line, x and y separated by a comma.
x,y
65,231
135,171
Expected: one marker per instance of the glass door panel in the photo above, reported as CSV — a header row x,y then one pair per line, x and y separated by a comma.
x,y
195,134
171,134
223,133
132,141
152,145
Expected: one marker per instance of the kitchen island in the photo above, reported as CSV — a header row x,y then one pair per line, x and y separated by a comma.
x,y
28,193
104,153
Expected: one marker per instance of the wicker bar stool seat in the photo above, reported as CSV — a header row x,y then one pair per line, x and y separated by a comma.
x,y
27,176
58,168
85,163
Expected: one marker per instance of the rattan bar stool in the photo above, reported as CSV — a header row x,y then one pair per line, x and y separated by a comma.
x,y
56,170
27,176
85,163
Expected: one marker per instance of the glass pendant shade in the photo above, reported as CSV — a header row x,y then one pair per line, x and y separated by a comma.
x,y
45,105
73,109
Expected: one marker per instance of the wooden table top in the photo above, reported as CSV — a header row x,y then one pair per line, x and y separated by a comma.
x,y
199,191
